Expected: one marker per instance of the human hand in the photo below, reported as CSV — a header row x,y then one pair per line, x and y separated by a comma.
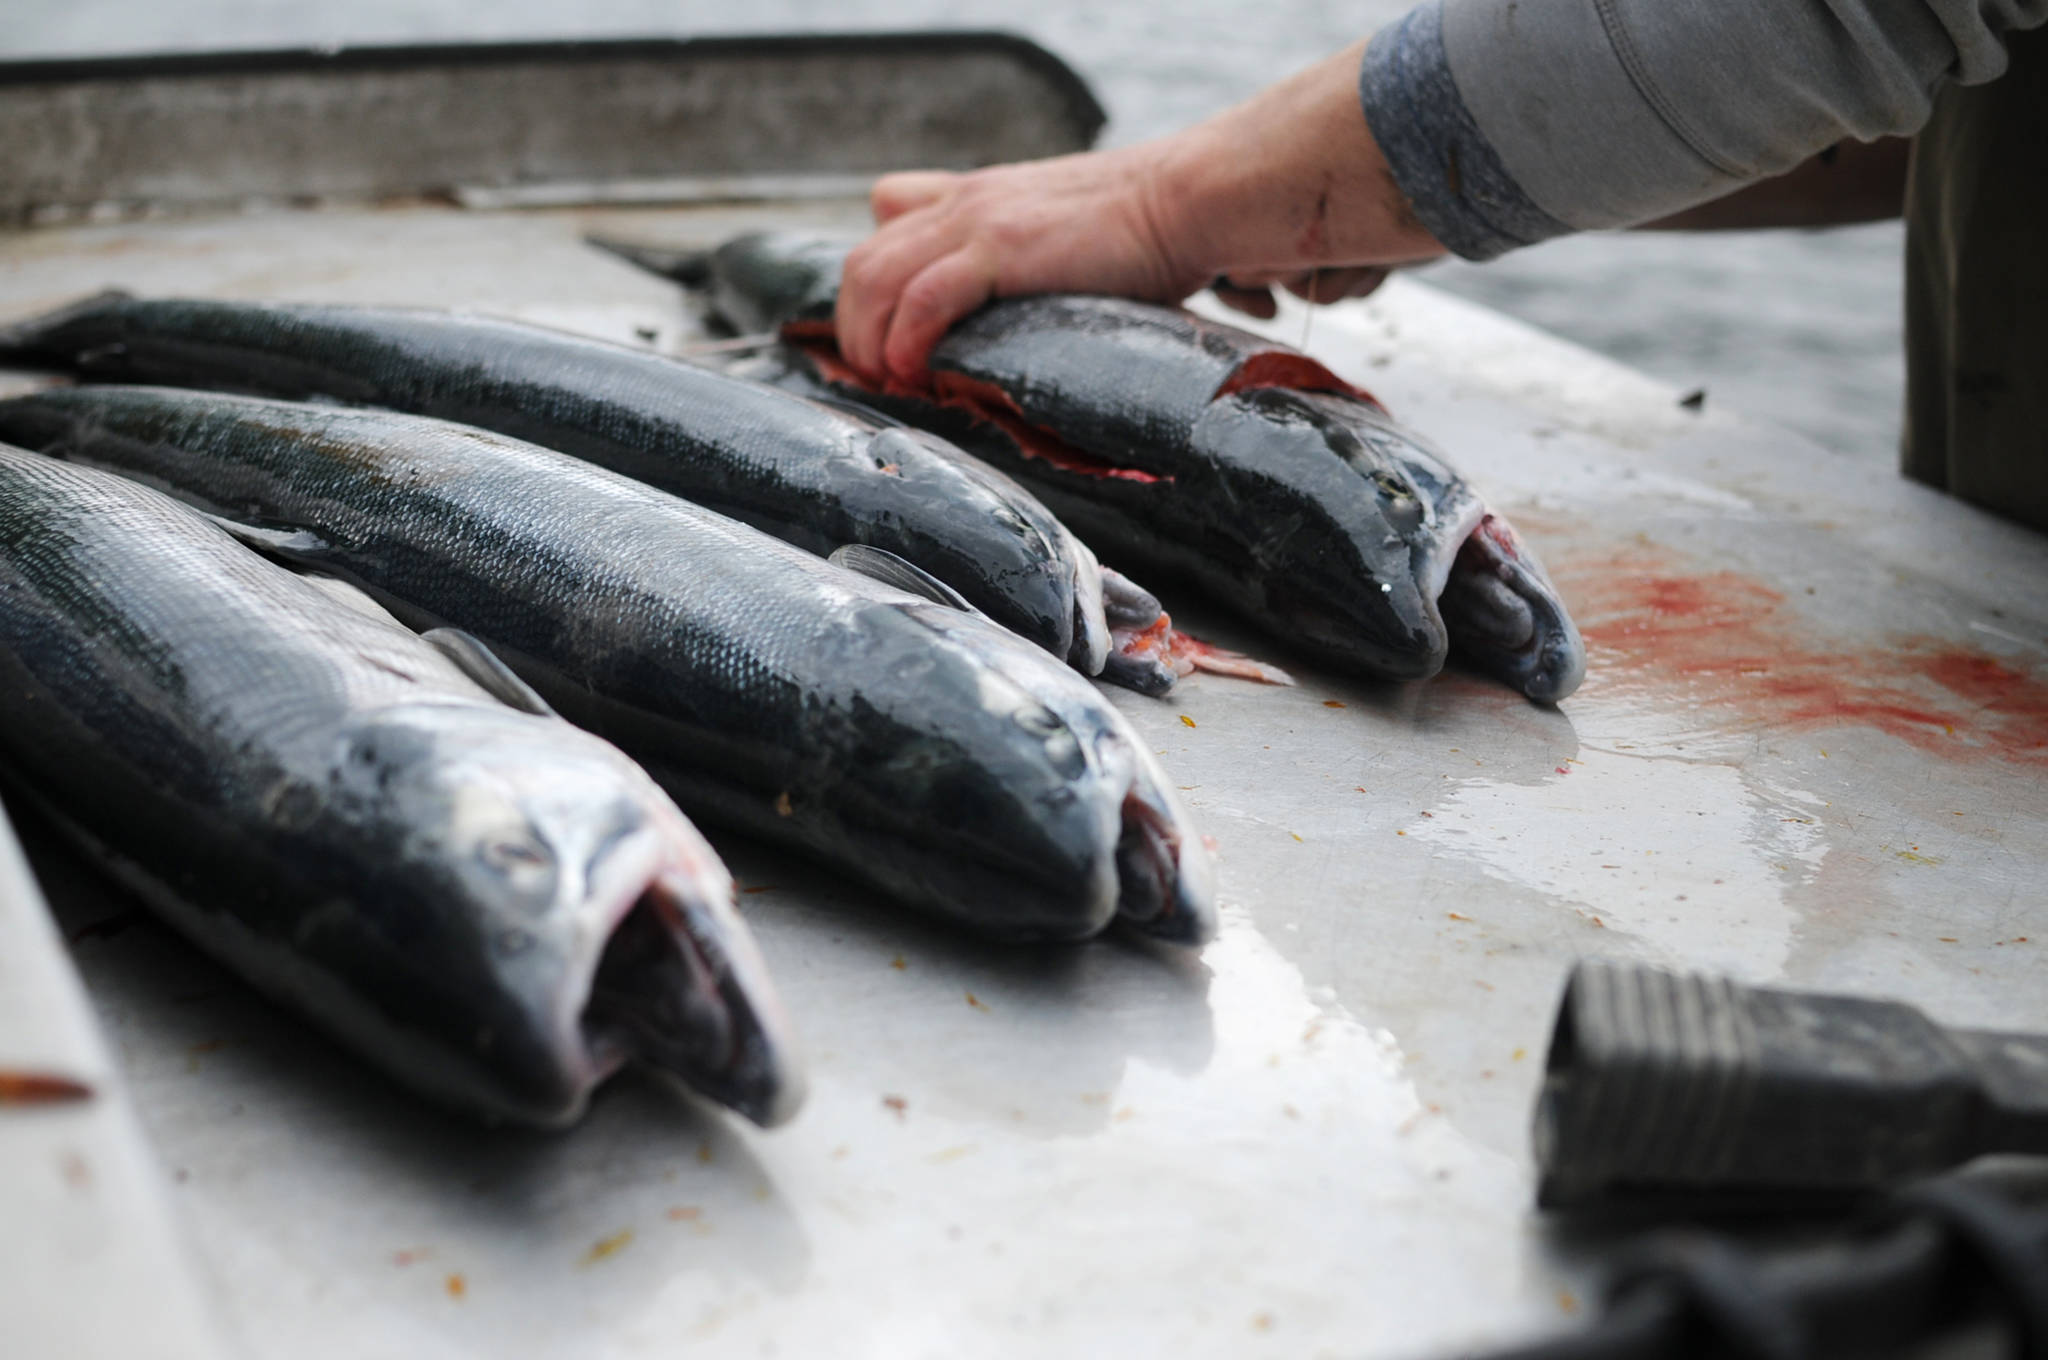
x,y
1288,184
949,242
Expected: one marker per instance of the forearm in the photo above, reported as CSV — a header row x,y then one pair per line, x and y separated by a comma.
x,y
1292,179
1509,121
1289,181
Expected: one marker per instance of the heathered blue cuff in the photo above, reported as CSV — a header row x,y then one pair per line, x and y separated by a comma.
x,y
1442,162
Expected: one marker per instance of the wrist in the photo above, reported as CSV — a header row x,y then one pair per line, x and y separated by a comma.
x,y
1291,180
1188,190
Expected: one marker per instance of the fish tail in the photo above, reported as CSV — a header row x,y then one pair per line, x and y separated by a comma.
x,y
27,343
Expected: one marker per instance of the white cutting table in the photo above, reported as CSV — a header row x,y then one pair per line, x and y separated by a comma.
x,y
1810,749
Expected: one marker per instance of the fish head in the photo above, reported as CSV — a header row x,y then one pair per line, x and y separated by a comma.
x,y
1506,617
1496,604
1353,570
1002,550
547,885
1432,508
1072,798
1002,812
1166,881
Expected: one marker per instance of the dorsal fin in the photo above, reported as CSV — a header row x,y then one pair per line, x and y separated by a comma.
x,y
481,664
882,565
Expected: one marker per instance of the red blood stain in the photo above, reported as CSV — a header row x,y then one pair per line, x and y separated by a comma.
x,y
1182,652
1292,370
983,401
40,1088
1727,641
1498,532
1154,642
986,402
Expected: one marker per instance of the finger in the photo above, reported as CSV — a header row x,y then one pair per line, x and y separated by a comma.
x,y
941,294
1251,300
872,281
1332,285
1370,284
1255,278
895,195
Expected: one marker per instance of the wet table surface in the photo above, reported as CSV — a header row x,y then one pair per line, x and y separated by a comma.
x,y
1810,750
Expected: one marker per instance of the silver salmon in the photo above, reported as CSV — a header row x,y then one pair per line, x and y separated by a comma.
x,y
1200,450
490,905
907,742
810,473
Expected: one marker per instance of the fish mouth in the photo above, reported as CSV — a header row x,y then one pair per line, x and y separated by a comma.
x,y
1433,575
681,987
1091,648
1504,614
1165,881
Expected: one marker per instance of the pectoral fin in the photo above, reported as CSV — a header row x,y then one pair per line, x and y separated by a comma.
x,y
882,565
296,545
480,664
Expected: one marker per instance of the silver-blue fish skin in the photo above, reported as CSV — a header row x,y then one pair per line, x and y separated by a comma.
x,y
1238,462
323,800
922,750
810,473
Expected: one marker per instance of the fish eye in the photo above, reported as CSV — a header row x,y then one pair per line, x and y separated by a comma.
x,y
1390,485
510,855
1039,721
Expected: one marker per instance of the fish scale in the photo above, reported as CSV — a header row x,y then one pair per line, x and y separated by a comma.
x,y
337,810
802,471
915,746
1198,450
282,692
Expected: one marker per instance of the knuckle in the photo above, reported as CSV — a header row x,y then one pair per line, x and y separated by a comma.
x,y
891,187
853,271
925,297
1012,233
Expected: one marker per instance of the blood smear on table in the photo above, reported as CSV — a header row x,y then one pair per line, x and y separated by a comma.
x,y
1727,640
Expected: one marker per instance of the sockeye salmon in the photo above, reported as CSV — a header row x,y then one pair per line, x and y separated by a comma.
x,y
810,473
913,745
490,905
1199,449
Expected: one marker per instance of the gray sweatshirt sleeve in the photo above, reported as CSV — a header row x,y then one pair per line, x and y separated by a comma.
x,y
1510,121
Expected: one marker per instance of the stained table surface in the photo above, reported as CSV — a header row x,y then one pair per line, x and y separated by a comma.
x,y
1810,750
